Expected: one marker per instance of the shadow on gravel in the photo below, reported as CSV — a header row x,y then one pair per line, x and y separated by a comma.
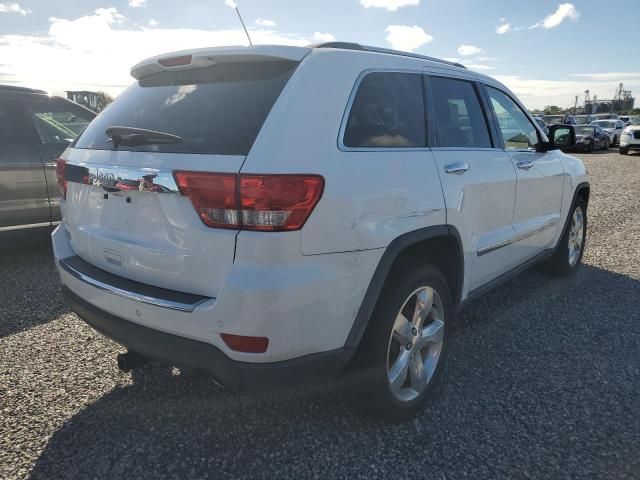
x,y
541,382
29,285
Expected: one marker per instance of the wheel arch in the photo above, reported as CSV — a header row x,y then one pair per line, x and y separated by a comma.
x,y
439,245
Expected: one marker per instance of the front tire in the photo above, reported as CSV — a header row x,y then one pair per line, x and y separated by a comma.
x,y
568,255
606,144
624,151
615,140
401,356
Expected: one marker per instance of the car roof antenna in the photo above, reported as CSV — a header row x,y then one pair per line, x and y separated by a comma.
x,y
234,5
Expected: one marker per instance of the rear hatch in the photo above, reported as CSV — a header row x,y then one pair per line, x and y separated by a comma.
x,y
124,210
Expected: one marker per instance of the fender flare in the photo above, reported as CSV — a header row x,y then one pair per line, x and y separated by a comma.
x,y
392,252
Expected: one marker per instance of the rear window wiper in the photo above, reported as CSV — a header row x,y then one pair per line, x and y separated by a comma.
x,y
133,137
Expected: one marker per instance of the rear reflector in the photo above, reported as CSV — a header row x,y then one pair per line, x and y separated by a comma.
x,y
273,203
175,61
240,343
61,165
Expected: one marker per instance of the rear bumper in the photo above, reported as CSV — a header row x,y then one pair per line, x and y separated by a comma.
x,y
189,353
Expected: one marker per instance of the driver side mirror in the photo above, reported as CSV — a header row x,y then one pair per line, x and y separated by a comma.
x,y
560,137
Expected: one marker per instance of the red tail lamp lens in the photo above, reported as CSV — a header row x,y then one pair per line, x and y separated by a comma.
x,y
61,166
252,202
240,343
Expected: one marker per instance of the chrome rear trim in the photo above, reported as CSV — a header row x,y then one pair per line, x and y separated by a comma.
x,y
130,289
113,178
24,227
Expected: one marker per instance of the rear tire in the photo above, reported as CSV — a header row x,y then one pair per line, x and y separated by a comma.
x,y
568,255
401,356
624,151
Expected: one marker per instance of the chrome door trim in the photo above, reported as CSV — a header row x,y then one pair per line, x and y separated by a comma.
x,y
137,297
518,237
114,178
24,227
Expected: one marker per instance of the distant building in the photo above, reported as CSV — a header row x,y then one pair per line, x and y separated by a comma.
x,y
84,97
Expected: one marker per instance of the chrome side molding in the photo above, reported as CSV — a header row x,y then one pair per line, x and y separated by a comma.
x,y
517,238
113,178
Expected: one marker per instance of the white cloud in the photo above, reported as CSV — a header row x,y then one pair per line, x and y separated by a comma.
x,y
230,3
466,50
563,12
137,3
452,59
536,93
12,7
404,37
323,37
263,22
390,5
504,28
98,50
153,23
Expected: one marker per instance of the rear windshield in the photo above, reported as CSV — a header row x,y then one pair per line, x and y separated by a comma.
x,y
216,110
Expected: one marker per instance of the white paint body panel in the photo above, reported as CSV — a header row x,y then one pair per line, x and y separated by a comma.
x,y
303,289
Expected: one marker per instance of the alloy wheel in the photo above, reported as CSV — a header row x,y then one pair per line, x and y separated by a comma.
x,y
415,344
576,234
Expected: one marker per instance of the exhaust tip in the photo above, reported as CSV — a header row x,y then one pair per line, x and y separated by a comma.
x,y
130,361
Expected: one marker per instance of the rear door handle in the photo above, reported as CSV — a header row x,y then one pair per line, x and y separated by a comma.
x,y
525,165
457,167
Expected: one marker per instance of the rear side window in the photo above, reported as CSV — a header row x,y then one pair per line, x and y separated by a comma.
x,y
387,112
216,110
57,122
460,121
14,125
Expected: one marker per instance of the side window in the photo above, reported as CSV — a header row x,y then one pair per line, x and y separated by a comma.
x,y
57,123
387,112
14,127
517,131
460,121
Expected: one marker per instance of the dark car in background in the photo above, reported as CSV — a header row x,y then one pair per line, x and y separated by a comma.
x,y
35,129
559,119
584,119
590,138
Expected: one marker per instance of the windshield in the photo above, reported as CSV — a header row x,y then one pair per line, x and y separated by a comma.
x,y
217,110
605,123
551,119
584,130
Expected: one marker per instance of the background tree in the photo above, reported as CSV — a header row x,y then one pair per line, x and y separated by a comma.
x,y
552,110
103,99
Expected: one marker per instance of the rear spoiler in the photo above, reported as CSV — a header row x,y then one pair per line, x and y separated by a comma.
x,y
204,57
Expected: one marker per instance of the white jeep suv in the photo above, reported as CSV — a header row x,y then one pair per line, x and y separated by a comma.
x,y
278,215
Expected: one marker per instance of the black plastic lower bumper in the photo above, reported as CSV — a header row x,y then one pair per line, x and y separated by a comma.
x,y
185,352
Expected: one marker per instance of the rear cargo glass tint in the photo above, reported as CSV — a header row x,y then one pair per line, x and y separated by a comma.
x,y
216,110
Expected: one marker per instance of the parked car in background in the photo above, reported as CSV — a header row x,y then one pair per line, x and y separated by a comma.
x,y
590,138
613,128
630,138
584,119
35,128
559,120
542,125
276,252
627,119
606,116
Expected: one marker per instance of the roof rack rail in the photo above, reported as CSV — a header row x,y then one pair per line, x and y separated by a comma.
x,y
367,48
12,88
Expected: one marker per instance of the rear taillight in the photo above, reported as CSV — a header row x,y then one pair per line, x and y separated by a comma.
x,y
61,165
273,203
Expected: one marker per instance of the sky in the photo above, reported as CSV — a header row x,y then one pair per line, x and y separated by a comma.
x,y
546,51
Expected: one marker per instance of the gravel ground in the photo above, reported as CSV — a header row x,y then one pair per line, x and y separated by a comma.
x,y
542,381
